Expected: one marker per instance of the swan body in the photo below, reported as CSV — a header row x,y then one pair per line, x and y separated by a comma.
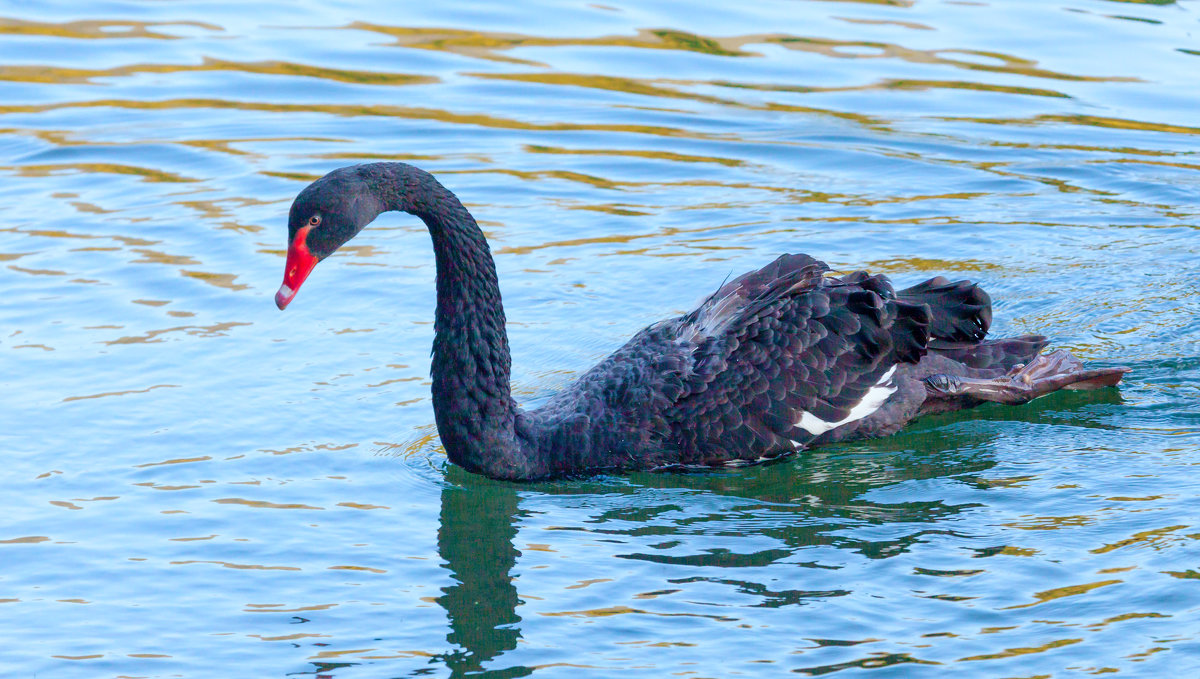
x,y
777,360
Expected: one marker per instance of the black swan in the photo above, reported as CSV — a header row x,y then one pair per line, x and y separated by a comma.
x,y
775,361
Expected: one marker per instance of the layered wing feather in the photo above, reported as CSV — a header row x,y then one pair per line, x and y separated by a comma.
x,y
961,310
785,353
771,361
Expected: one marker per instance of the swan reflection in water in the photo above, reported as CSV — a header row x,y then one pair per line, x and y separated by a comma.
x,y
808,506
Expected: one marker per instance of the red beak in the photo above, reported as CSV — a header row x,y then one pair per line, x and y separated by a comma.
x,y
300,263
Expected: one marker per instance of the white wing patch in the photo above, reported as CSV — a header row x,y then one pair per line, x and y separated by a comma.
x,y
873,400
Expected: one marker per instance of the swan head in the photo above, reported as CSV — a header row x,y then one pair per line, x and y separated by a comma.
x,y
324,216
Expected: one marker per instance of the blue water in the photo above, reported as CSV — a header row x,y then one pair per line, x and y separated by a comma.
x,y
197,485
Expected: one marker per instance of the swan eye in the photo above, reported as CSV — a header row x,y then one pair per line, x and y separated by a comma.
x,y
314,220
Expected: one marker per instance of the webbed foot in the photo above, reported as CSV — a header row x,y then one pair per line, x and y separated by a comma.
x,y
1044,374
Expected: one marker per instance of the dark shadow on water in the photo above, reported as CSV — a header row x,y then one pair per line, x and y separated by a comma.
x,y
475,539
809,500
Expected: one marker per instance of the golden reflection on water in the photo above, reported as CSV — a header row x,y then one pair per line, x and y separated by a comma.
x,y
61,75
1082,120
48,170
220,280
1157,538
98,30
121,393
359,505
934,266
656,154
1025,650
238,566
377,110
221,212
483,45
154,257
36,272
154,336
603,82
886,22
181,460
28,540
263,504
488,45
1060,592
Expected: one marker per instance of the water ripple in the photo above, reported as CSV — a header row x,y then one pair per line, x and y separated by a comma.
x,y
192,474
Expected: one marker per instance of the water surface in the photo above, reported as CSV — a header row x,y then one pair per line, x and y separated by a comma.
x,y
199,485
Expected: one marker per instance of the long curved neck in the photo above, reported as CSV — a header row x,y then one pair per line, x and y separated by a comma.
x,y
472,401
